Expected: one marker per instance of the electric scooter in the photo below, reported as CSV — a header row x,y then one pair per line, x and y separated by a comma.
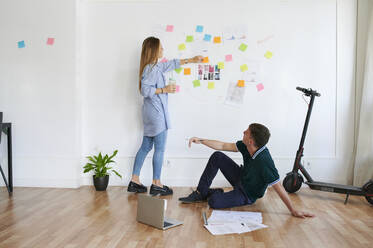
x,y
293,180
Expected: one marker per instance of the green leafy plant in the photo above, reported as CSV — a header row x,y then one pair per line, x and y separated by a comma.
x,y
100,164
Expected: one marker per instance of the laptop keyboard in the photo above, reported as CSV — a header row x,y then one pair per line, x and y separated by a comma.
x,y
166,224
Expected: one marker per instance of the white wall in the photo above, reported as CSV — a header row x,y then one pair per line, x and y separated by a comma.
x,y
186,171
38,91
41,90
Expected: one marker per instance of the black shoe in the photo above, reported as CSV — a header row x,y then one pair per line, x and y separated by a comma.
x,y
136,188
195,196
156,190
213,191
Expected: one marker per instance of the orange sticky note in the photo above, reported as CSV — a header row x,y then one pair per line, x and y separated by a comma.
x,y
217,39
205,60
186,71
241,83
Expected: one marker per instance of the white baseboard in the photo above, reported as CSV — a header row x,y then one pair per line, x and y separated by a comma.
x,y
181,182
46,183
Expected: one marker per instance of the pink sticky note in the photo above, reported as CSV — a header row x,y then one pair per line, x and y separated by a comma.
x,y
228,57
50,41
164,60
177,88
260,87
170,28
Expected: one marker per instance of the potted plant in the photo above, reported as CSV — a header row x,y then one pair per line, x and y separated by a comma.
x,y
100,165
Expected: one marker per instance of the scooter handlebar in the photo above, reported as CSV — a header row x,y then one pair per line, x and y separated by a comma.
x,y
308,92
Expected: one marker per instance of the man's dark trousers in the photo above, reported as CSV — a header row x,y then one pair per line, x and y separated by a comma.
x,y
232,172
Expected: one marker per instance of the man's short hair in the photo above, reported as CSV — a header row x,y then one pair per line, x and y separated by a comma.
x,y
260,134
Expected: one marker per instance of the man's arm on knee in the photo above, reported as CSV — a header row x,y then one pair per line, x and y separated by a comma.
x,y
214,144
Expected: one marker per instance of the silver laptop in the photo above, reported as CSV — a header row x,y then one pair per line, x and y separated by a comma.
x,y
151,210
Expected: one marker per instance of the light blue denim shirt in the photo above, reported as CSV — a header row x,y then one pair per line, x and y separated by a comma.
x,y
155,109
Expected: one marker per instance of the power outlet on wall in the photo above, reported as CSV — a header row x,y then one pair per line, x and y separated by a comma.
x,y
167,164
307,164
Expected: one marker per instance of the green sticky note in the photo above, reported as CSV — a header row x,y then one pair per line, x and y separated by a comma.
x,y
211,85
189,38
182,47
196,83
221,65
178,70
243,47
244,67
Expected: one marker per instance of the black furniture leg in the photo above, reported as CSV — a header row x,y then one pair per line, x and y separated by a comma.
x,y
8,183
5,181
346,198
10,160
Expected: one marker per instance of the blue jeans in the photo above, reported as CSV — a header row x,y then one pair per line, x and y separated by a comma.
x,y
159,142
232,172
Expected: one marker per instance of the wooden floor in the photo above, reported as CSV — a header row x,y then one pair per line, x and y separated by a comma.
x,y
46,217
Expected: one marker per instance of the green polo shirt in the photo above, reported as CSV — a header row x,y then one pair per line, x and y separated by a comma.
x,y
259,171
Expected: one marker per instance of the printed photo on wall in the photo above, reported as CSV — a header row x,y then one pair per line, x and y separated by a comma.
x,y
208,72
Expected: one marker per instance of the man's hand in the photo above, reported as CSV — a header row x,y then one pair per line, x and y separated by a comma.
x,y
194,140
301,214
285,198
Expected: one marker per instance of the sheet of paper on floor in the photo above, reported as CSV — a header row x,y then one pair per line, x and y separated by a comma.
x,y
229,222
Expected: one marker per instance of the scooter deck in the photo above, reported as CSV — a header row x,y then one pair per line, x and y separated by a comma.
x,y
337,188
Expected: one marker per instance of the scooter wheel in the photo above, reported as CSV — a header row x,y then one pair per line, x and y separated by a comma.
x,y
292,182
368,188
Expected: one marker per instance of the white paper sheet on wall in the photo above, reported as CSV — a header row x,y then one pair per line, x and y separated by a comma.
x,y
235,95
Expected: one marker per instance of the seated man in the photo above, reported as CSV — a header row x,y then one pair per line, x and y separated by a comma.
x,y
250,181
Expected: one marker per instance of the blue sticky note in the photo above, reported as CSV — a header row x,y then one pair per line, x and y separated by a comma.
x,y
199,29
207,37
21,44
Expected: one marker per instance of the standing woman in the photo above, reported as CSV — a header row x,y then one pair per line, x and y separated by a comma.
x,y
152,85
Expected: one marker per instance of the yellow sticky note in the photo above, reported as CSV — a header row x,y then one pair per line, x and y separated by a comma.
x,y
186,71
241,83
205,60
268,54
211,85
217,39
244,67
221,65
182,47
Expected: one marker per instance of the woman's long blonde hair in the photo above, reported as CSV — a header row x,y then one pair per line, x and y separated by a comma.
x,y
149,54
